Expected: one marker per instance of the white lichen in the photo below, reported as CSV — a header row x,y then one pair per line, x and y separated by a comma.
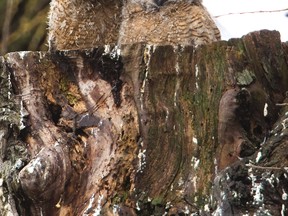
x,y
56,144
196,71
18,164
258,195
177,87
196,76
283,210
227,176
137,206
186,211
271,179
113,53
195,162
22,54
36,162
115,209
259,156
195,141
194,182
206,208
264,141
256,190
180,182
90,205
106,49
217,212
168,205
167,115
265,111
262,211
177,67
23,113
98,209
234,194
141,160
216,166
283,125
284,195
9,86
147,58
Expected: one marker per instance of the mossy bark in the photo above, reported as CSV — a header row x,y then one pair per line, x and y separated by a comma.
x,y
142,130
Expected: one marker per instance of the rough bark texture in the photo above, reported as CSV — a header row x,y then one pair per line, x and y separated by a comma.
x,y
146,130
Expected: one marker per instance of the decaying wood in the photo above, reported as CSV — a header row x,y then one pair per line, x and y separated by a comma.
x,y
145,130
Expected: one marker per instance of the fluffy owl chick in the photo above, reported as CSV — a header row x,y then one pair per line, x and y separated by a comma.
x,y
75,24
185,22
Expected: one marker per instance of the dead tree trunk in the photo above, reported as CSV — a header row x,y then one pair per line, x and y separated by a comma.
x,y
145,130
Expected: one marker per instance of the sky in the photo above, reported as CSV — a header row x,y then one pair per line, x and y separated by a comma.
x,y
232,26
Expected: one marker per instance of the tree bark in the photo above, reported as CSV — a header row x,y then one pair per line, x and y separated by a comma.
x,y
146,130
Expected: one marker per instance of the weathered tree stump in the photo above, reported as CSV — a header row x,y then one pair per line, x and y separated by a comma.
x,y
146,130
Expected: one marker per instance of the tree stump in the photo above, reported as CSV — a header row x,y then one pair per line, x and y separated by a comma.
x,y
146,130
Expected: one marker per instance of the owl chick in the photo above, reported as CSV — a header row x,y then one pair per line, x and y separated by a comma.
x,y
185,22
76,24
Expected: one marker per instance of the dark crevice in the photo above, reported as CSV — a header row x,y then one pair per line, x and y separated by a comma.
x,y
109,68
55,111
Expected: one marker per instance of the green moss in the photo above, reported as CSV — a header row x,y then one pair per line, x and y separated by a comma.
x,y
157,201
245,78
120,197
63,85
205,122
70,93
